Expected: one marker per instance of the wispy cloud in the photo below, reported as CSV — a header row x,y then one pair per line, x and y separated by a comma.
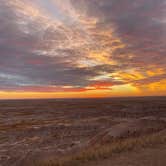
x,y
72,45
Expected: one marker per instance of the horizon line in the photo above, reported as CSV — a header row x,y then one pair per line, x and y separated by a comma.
x,y
81,98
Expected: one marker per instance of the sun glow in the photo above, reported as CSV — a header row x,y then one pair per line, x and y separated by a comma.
x,y
72,48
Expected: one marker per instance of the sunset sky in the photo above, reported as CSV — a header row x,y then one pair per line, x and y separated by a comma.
x,y
82,48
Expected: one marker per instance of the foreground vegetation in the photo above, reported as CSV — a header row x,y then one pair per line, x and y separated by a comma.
x,y
101,152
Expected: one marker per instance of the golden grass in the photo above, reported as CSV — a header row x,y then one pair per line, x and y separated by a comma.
x,y
105,151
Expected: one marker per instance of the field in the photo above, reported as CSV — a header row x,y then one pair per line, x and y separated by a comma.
x,y
78,131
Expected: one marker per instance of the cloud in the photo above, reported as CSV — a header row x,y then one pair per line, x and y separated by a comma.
x,y
74,43
140,27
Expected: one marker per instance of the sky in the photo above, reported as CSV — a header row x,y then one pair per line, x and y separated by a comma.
x,y
82,48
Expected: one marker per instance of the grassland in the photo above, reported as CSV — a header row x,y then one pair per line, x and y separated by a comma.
x,y
102,152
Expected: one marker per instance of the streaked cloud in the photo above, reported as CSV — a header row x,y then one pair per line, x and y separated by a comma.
x,y
82,45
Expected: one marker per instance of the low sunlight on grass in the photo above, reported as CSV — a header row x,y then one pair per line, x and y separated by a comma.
x,y
105,151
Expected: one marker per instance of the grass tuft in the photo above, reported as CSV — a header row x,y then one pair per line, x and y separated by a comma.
x,y
106,151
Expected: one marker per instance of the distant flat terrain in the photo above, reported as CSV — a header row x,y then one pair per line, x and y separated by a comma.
x,y
35,129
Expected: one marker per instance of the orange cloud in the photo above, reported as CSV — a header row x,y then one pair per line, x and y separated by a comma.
x,y
101,85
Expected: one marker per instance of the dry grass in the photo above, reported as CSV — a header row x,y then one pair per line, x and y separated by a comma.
x,y
106,151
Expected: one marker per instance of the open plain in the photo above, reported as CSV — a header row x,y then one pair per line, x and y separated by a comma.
x,y
41,132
